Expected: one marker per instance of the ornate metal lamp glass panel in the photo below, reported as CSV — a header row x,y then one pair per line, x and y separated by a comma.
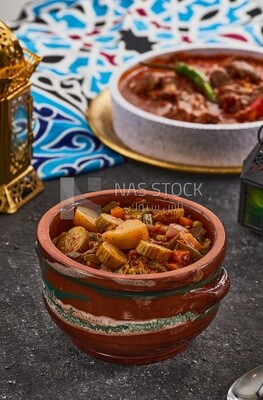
x,y
251,189
18,180
20,132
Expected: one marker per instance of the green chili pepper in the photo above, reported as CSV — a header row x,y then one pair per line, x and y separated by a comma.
x,y
196,76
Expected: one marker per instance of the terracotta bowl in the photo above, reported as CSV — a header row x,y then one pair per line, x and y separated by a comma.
x,y
183,143
135,319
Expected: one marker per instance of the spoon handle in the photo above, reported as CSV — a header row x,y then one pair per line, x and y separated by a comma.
x,y
259,393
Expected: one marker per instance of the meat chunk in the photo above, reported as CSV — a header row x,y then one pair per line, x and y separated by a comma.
x,y
241,69
234,97
168,89
193,108
219,77
145,85
161,106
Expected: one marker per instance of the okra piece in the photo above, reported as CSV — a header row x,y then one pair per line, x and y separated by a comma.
x,y
205,246
172,243
194,253
109,206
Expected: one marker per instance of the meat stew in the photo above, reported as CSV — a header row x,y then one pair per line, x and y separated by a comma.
x,y
219,89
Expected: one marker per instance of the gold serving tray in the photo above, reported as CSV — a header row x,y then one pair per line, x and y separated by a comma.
x,y
99,115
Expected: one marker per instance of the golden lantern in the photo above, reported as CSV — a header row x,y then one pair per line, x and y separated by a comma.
x,y
18,180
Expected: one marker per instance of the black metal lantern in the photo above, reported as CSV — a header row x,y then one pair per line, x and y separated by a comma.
x,y
251,190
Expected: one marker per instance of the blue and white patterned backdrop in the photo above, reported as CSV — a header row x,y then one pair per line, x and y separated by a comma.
x,y
82,41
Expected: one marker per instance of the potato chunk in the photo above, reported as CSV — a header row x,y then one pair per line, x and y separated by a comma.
x,y
127,235
76,239
86,217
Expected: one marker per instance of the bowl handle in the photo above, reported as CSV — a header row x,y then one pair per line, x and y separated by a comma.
x,y
215,291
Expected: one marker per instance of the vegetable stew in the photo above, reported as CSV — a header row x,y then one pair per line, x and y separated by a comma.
x,y
139,239
200,89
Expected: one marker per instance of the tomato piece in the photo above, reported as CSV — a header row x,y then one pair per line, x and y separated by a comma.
x,y
157,228
172,266
257,105
253,112
180,257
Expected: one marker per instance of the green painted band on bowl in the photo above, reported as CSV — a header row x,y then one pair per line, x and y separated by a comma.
x,y
105,325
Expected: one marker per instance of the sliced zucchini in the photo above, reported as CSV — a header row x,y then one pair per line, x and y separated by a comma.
x,y
111,256
75,240
133,213
153,251
106,221
168,216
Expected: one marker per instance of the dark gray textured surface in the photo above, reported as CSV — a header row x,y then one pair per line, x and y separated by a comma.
x,y
39,362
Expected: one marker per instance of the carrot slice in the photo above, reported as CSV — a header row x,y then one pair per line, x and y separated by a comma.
x,y
185,221
117,212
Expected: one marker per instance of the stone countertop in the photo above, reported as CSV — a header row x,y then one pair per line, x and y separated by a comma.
x,y
38,362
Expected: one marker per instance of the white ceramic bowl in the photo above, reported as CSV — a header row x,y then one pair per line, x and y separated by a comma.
x,y
186,143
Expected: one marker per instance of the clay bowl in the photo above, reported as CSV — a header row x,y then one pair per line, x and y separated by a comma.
x,y
135,319
183,143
